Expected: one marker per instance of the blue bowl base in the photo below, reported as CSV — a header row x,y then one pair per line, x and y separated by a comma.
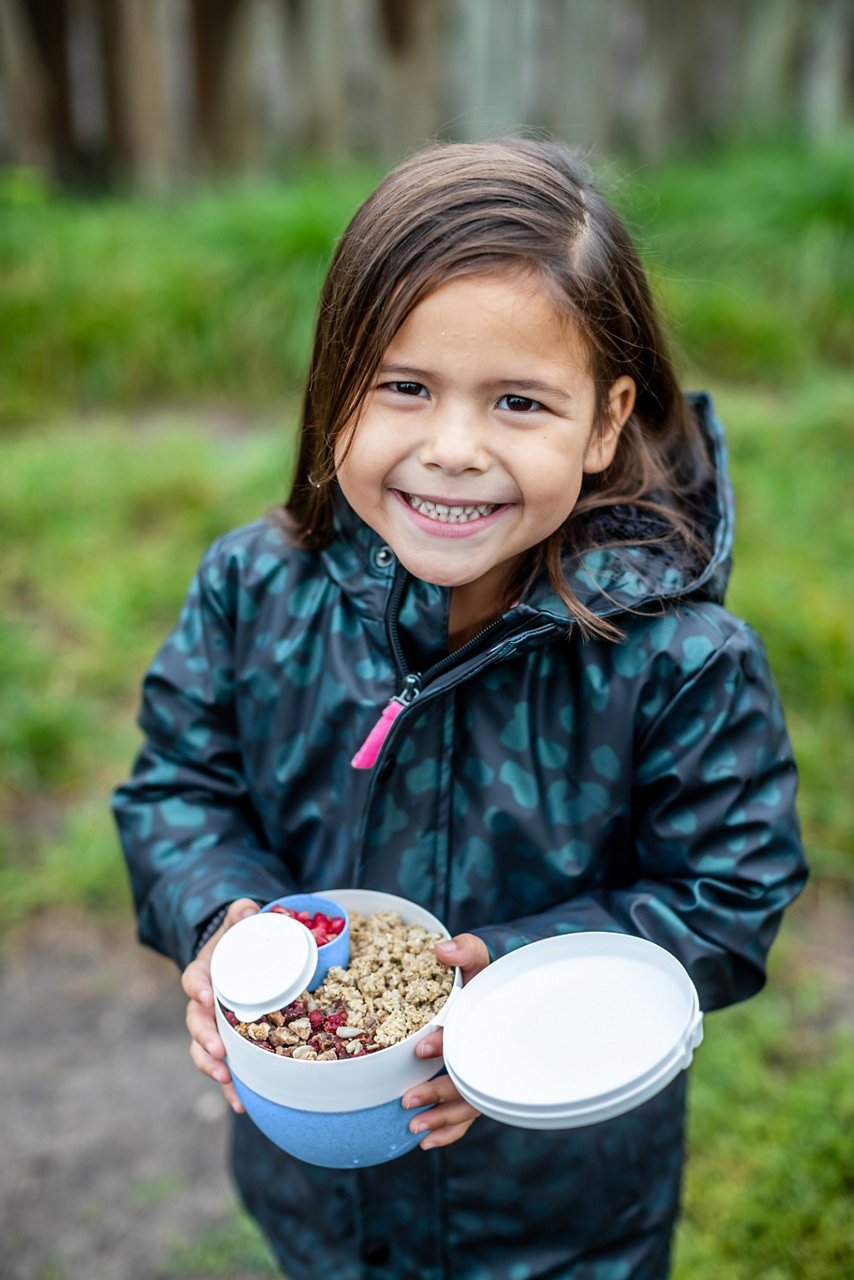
x,y
334,1140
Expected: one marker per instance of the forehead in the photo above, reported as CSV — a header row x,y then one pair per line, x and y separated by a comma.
x,y
496,312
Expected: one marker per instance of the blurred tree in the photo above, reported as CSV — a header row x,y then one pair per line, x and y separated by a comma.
x,y
185,86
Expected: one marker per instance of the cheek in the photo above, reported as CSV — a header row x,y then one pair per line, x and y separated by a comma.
x,y
555,492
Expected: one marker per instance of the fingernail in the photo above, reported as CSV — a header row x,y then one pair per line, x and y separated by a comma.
x,y
446,946
427,1145
204,996
249,911
417,1126
212,1047
412,1103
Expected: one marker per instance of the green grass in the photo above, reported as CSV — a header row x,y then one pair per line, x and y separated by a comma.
x,y
104,528
771,1164
128,301
235,1248
752,254
213,293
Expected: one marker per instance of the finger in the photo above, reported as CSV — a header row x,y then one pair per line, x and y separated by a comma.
x,y
196,982
430,1093
432,1044
444,1116
209,1066
239,910
203,1029
444,1137
439,1093
230,1094
466,952
219,1073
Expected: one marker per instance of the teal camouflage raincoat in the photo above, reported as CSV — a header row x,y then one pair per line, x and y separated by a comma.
x,y
534,783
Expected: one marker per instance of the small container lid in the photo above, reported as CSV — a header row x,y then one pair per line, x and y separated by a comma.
x,y
263,963
572,1030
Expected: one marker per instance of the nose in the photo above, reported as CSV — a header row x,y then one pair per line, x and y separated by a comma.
x,y
455,441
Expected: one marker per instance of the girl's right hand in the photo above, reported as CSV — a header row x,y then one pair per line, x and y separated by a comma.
x,y
207,1049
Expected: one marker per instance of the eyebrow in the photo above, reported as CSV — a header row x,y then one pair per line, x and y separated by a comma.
x,y
403,372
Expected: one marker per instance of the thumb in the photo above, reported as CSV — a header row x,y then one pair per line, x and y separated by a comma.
x,y
466,952
240,909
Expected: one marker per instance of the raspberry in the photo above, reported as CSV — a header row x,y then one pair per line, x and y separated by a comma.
x,y
334,1020
323,927
316,1019
295,1010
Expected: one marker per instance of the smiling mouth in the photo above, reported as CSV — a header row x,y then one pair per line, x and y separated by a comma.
x,y
446,513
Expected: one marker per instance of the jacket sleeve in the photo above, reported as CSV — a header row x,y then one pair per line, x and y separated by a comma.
x,y
187,825
716,854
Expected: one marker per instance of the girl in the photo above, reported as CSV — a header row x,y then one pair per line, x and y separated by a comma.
x,y
480,659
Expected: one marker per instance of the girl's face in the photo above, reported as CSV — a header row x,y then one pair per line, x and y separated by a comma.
x,y
471,446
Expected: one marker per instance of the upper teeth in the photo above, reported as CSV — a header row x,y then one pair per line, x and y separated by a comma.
x,y
447,514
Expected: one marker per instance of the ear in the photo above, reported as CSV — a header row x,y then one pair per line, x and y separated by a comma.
x,y
603,441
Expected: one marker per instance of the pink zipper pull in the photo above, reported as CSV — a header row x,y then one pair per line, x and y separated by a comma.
x,y
365,757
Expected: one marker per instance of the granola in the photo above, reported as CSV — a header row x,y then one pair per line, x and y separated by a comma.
x,y
392,987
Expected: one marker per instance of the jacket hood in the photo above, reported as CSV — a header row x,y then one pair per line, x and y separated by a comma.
x,y
607,580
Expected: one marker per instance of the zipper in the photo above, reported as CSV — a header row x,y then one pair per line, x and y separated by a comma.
x,y
413,681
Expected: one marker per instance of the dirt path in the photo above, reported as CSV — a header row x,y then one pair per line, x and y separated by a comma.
x,y
114,1148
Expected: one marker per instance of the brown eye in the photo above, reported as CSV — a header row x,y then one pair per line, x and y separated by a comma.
x,y
407,388
519,404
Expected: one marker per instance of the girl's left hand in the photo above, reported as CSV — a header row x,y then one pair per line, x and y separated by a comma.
x,y
450,1115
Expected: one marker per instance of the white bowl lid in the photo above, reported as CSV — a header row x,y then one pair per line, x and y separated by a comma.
x,y
572,1030
262,963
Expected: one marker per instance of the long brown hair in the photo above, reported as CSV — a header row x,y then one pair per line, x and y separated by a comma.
x,y
463,208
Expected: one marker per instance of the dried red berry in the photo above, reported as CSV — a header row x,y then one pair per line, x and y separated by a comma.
x,y
316,1019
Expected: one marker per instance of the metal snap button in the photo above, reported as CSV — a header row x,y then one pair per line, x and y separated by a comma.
x,y
383,557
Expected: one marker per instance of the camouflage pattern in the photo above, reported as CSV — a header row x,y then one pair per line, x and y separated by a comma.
x,y
540,784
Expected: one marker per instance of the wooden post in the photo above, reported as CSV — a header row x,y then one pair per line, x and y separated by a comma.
x,y
25,91
140,59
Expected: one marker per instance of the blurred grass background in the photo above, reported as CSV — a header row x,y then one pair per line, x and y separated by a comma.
x,y
152,360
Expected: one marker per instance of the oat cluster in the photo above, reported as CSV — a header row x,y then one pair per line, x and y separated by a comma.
x,y
393,976
393,986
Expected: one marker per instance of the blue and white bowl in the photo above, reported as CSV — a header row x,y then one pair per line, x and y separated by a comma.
x,y
340,1114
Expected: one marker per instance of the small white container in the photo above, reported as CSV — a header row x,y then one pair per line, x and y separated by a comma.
x,y
262,963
